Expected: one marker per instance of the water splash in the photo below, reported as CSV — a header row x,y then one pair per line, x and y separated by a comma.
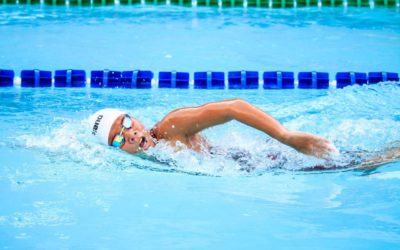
x,y
360,120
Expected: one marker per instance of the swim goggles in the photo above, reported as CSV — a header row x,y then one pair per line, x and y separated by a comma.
x,y
119,139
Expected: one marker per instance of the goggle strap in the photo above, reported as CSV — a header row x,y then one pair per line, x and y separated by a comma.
x,y
122,130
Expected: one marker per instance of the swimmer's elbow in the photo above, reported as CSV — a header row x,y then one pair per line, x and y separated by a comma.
x,y
238,101
236,106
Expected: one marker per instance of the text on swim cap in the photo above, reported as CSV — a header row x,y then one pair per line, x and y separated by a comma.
x,y
96,124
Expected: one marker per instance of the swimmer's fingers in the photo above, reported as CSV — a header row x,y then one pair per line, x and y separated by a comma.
x,y
329,151
310,144
325,149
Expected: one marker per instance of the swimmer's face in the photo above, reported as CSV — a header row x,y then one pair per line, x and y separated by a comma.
x,y
137,139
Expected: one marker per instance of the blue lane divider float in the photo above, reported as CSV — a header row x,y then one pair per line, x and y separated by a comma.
x,y
202,80
209,80
139,79
375,77
344,79
313,80
36,78
70,78
278,80
6,78
173,79
243,79
105,79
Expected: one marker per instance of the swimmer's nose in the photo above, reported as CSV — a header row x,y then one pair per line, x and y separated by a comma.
x,y
133,136
131,139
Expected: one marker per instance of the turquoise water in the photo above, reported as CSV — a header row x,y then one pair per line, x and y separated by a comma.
x,y
162,38
60,190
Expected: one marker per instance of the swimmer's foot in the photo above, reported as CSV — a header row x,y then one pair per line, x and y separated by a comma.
x,y
310,144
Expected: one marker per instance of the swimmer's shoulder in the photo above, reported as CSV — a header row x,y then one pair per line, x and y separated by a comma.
x,y
167,130
173,125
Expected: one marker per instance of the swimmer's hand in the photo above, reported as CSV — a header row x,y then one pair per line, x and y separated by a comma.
x,y
310,144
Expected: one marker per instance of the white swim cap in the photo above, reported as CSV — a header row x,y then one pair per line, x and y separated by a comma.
x,y
101,123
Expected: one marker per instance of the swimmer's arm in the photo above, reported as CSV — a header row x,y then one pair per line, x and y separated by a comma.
x,y
189,121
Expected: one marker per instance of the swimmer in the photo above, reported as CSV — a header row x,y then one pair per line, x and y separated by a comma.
x,y
118,129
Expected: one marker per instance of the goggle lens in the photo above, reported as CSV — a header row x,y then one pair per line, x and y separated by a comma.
x,y
119,139
127,122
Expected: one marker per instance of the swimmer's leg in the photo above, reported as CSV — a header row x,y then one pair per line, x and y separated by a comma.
x,y
361,160
388,155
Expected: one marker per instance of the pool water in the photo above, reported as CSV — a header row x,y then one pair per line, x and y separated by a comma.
x,y
60,190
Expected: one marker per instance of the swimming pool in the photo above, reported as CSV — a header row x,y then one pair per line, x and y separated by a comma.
x,y
59,190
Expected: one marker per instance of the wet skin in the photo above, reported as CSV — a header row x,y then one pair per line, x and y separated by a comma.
x,y
139,139
185,124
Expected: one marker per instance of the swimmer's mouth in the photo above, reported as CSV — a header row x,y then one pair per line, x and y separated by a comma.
x,y
142,142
